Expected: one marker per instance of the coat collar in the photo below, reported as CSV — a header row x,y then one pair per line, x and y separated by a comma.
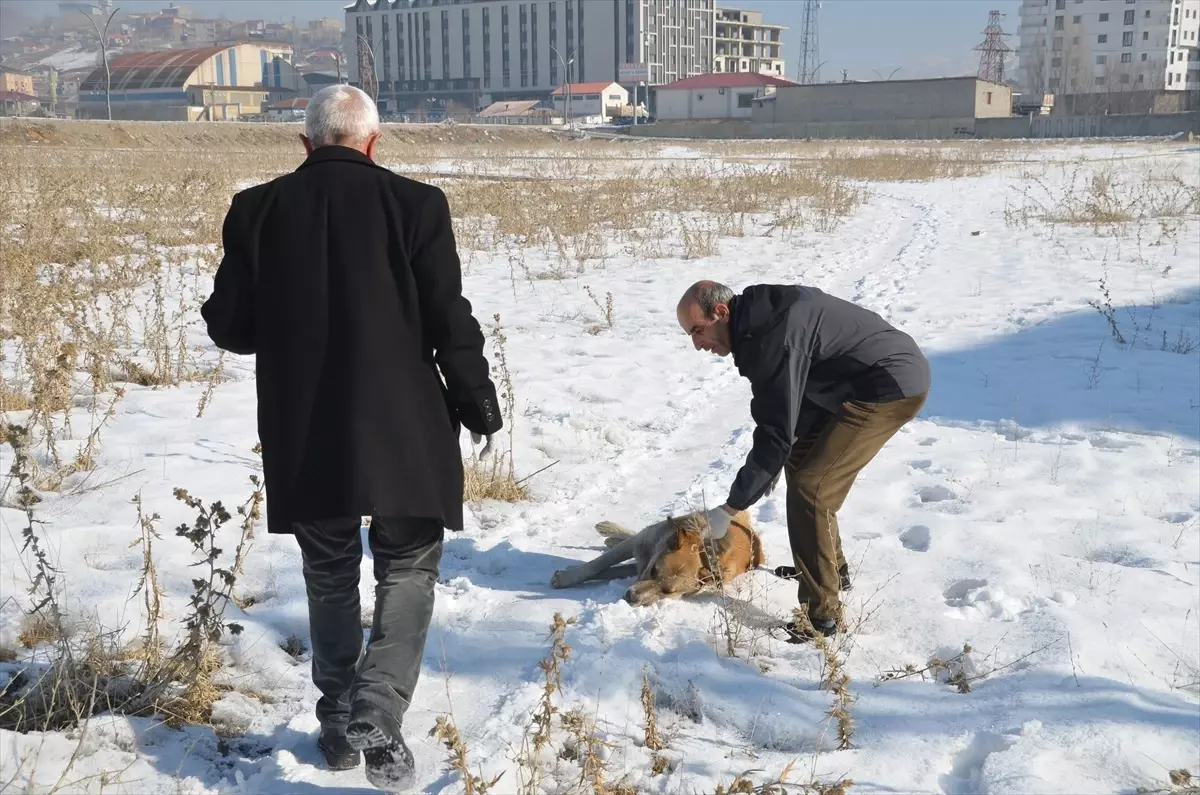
x,y
326,154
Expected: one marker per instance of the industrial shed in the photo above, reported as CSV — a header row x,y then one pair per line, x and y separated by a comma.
x,y
209,83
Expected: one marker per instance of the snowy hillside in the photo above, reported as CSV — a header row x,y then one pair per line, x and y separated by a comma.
x,y
1043,511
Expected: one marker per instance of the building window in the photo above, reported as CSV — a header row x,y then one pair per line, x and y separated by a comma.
x,y
1102,38
1129,17
1076,20
1144,56
1056,63
1147,13
1059,5
1141,79
1146,36
1170,79
1125,80
466,42
988,97
533,43
745,100
1057,44
1101,60
1058,23
1126,57
1104,17
1101,80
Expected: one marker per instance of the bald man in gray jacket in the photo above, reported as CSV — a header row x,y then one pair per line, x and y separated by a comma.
x,y
832,382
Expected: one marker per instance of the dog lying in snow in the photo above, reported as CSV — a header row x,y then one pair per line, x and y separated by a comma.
x,y
670,558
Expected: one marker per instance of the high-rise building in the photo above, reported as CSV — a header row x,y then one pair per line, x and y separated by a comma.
x,y
476,52
743,42
1108,46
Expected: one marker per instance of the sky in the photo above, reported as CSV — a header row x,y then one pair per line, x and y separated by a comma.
x,y
869,39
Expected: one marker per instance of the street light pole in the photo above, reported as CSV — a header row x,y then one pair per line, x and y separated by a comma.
x,y
103,37
567,70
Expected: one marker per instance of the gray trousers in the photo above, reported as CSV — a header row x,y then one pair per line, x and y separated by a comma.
x,y
407,554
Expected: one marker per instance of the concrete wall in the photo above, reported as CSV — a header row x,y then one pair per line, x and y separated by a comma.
x,y
1132,126
885,101
702,103
1108,126
904,129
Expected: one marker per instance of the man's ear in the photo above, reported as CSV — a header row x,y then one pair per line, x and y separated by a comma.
x,y
308,147
369,149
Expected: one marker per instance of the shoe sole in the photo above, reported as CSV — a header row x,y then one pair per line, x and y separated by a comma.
x,y
387,767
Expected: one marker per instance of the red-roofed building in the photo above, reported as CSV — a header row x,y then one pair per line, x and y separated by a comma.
x,y
720,95
602,100
18,103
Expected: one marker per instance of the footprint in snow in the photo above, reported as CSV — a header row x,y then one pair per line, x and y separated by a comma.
x,y
1177,517
928,441
923,463
917,538
935,494
956,595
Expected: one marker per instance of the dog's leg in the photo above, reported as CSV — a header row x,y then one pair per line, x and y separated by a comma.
x,y
574,575
619,572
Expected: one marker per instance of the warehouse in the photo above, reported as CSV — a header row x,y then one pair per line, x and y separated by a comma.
x,y
937,108
210,83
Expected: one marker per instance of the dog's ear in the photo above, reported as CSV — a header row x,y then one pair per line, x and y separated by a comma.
x,y
675,541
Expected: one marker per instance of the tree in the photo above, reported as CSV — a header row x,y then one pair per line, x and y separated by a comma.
x,y
103,37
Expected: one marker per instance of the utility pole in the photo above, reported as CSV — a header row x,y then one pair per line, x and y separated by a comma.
x,y
366,69
103,37
993,49
810,47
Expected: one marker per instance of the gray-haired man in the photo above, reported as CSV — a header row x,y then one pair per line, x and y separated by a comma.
x,y
344,280
832,382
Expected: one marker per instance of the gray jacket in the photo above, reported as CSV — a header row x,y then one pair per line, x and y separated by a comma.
x,y
796,342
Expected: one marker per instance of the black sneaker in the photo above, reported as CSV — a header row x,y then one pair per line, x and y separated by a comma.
x,y
339,754
390,765
789,573
794,634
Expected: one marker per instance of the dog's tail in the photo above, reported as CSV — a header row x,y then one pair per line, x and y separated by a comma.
x,y
613,533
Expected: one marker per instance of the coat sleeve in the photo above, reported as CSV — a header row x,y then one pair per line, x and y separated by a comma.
x,y
228,312
447,321
775,407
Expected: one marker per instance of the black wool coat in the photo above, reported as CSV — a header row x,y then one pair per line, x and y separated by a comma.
x,y
343,279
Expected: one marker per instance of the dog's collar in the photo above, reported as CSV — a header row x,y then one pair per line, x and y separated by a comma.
x,y
713,564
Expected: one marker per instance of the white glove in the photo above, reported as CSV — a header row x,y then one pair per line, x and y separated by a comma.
x,y
718,523
487,448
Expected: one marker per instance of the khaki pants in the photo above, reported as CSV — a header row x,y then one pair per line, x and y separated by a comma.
x,y
826,458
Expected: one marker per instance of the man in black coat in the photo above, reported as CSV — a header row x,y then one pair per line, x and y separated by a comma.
x,y
343,279
832,382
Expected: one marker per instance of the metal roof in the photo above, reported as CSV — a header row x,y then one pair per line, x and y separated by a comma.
x,y
163,69
728,80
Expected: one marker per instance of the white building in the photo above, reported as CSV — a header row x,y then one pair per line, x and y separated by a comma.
x,y
714,96
1105,46
601,100
480,51
743,42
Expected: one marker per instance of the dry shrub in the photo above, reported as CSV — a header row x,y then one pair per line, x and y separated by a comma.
x,y
904,164
1106,198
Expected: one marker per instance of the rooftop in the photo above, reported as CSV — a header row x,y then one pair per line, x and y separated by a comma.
x,y
728,80
583,88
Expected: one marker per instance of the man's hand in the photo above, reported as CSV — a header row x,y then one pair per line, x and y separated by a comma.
x,y
487,448
718,522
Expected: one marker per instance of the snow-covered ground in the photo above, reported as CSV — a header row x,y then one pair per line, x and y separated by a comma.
x,y
1044,509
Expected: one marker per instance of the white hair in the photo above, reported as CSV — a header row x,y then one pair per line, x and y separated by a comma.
x,y
340,114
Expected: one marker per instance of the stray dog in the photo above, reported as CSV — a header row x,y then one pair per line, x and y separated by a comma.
x,y
671,558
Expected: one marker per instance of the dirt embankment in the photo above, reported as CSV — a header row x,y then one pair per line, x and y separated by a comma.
x,y
238,136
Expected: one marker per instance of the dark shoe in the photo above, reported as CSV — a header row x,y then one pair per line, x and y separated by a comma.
x,y
339,755
794,634
390,765
789,573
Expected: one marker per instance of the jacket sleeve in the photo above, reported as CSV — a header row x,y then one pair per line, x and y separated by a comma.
x,y
775,407
228,312
447,321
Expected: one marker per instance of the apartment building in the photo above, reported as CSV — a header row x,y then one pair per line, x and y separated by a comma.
x,y
743,42
1107,46
475,52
